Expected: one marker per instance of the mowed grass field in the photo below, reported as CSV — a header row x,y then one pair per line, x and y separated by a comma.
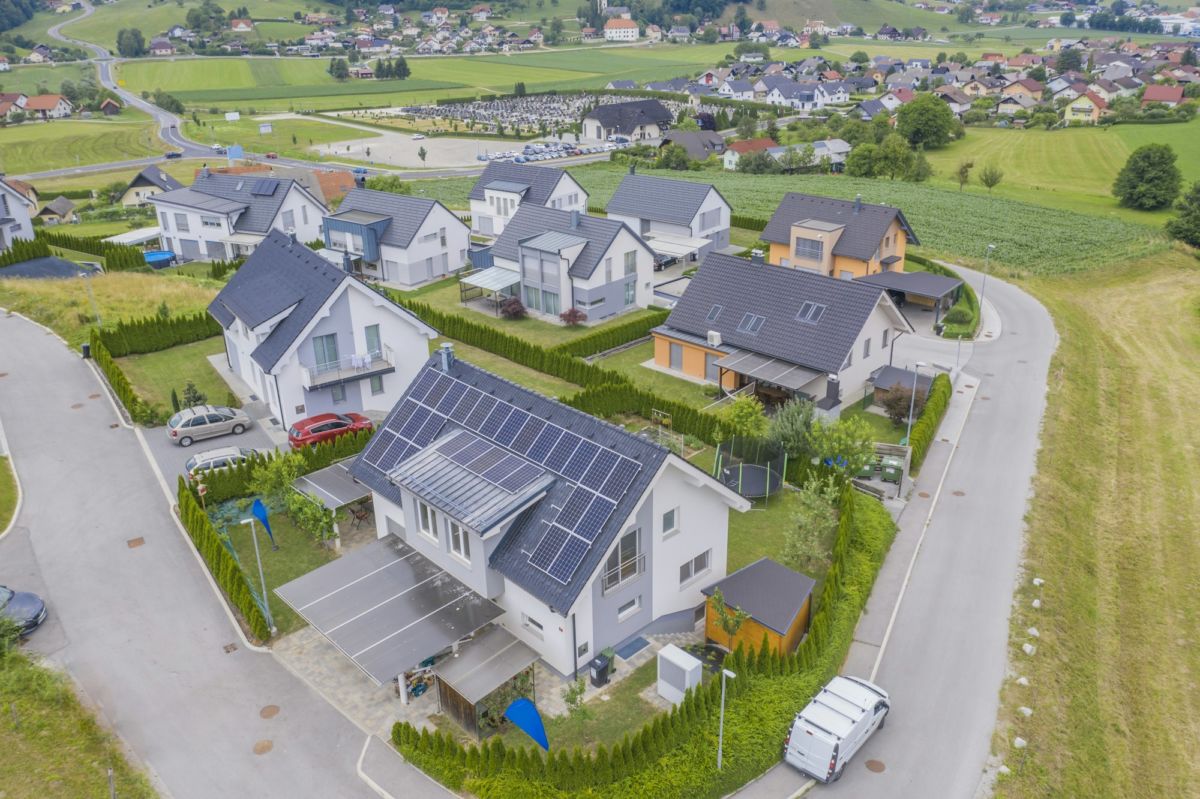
x,y
31,78
1112,531
153,17
307,132
39,146
183,170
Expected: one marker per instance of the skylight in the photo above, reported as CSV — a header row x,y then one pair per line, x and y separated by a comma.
x,y
810,312
751,323
714,312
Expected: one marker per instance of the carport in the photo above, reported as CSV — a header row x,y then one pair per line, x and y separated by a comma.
x,y
487,663
387,608
494,282
923,289
683,248
333,485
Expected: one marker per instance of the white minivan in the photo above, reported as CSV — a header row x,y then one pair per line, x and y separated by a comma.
x,y
835,725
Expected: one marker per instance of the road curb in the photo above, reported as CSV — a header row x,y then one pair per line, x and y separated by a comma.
x,y
12,466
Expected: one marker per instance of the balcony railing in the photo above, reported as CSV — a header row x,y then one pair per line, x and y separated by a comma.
x,y
349,367
618,576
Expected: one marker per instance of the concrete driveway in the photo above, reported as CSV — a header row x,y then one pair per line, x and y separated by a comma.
x,y
132,615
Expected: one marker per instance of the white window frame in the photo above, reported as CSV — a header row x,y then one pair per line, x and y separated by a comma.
x,y
692,572
866,348
629,609
667,532
460,545
533,626
376,385
427,521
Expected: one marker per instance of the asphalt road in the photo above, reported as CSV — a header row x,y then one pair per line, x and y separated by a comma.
x,y
137,624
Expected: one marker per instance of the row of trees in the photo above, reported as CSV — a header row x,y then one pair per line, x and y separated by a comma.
x,y
893,158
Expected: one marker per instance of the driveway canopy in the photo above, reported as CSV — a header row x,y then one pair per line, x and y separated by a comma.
x,y
333,486
387,607
681,247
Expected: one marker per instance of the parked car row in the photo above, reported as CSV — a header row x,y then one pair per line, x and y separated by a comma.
x,y
549,152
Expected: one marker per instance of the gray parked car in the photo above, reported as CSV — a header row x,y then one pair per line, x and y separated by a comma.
x,y
206,421
27,610
221,458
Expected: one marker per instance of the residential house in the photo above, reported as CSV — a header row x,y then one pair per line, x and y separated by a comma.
x,y
1027,87
109,107
654,34
559,533
779,333
4,65
40,54
679,33
222,217
481,13
1015,102
48,106
12,103
867,110
895,98
397,239
679,214
832,151
1086,109
956,98
620,30
58,211
737,90
1170,96
699,144
504,187
637,120
241,25
839,238
328,186
161,46
145,184
26,190
309,338
735,150
15,215
622,84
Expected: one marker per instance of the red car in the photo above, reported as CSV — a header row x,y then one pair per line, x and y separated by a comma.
x,y
325,427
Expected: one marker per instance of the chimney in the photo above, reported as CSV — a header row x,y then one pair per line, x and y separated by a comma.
x,y
204,170
447,355
632,169
574,219
756,257
292,234
857,203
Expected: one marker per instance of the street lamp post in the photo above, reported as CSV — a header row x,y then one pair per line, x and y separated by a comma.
x,y
987,260
261,578
912,401
721,728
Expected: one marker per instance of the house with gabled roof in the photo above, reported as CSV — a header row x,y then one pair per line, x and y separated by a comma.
x,y
502,514
838,238
16,210
222,217
680,218
145,184
736,149
308,337
1170,96
504,187
779,333
636,120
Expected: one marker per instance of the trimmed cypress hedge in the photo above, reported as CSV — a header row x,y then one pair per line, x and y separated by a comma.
x,y
614,399
613,335
117,257
931,416
22,250
748,222
139,410
153,333
221,564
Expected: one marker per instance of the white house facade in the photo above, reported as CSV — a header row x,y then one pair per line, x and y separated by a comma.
x,y
677,214
15,219
503,187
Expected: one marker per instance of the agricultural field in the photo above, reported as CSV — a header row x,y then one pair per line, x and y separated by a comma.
x,y
39,146
183,170
153,17
290,137
31,78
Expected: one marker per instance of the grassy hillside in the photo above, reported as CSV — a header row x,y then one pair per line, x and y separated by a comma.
x,y
153,17
31,78
39,146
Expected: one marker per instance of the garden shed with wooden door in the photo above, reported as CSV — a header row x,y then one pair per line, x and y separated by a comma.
x,y
479,680
777,599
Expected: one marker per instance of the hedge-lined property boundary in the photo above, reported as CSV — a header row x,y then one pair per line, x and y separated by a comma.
x,y
139,410
22,250
674,756
931,416
748,222
154,333
613,334
117,257
221,564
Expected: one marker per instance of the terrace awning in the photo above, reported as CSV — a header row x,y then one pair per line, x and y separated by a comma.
x,y
492,279
769,370
333,485
676,246
135,237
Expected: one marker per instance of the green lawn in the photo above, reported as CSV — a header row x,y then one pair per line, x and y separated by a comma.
x,y
540,382
109,228
183,170
39,146
53,746
629,362
8,492
153,17
154,374
30,78
288,137
881,426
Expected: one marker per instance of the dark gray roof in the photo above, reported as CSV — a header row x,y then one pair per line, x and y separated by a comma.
x,y
60,206
872,108
743,287
431,419
46,266
541,180
661,199
153,176
770,592
888,377
924,284
700,144
625,117
622,84
533,220
224,193
407,212
865,225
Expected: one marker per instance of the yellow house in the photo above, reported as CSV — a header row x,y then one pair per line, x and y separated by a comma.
x,y
777,599
1087,109
837,238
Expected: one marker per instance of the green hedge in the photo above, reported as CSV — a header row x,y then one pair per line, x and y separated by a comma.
x,y
962,320
614,399
674,755
117,257
748,222
614,334
153,333
926,426
221,564
23,250
139,410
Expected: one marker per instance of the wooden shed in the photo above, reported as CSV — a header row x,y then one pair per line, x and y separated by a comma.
x,y
778,599
481,678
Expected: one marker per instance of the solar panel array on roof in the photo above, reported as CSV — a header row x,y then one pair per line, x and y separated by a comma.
x,y
505,445
264,187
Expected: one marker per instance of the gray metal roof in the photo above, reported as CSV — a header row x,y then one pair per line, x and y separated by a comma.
x,y
743,287
508,185
553,241
153,176
866,224
922,284
332,486
538,182
770,592
626,117
660,199
511,556
407,213
484,663
769,370
888,377
533,220
700,144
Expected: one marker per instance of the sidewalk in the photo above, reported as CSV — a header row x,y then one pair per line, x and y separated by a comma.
x,y
874,626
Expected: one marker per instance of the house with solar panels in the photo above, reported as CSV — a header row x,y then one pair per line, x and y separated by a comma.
x,y
677,218
504,186
223,217
498,507
309,338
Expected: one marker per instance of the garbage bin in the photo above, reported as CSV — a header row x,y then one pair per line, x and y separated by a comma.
x,y
87,350
892,469
600,667
868,469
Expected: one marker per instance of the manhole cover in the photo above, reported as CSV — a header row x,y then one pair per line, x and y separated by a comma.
x,y
1022,361
959,493
3,374
970,385
269,712
985,398
230,648
923,494
77,406
93,396
876,766
134,543
263,746
113,426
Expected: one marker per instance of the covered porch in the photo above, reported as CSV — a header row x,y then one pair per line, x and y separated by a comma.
x,y
672,249
773,381
488,288
921,296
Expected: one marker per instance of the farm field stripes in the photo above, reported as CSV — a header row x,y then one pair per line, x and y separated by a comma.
x,y
33,147
364,88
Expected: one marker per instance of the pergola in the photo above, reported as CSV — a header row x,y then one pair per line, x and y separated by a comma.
x,y
494,282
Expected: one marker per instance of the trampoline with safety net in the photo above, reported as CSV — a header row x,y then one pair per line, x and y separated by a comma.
x,y
752,467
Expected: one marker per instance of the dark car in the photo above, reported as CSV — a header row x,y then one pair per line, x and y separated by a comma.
x,y
325,427
174,154
27,610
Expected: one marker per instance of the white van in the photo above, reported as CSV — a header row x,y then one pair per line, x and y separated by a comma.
x,y
835,725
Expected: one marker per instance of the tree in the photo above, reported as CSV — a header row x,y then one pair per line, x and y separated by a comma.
x,y
192,395
1150,179
797,158
860,57
894,157
845,445
789,428
674,157
113,191
339,69
390,183
1069,61
814,524
519,88
963,173
310,515
131,43
772,130
1066,19
747,127
573,697
898,400
1189,58
422,153
926,120
759,162
861,161
272,479
919,169
1186,226
990,176
400,70
513,308
572,317
729,619
745,417
687,123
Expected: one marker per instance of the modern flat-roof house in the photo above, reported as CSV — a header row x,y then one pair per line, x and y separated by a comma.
x,y
148,182
680,218
221,217
310,338
784,332
503,187
839,238
555,260
397,239
636,120
568,533
15,217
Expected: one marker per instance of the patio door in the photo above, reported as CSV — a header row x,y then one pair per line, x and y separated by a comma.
x,y
677,357
374,344
325,351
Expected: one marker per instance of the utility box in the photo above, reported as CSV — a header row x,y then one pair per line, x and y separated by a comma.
x,y
677,672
